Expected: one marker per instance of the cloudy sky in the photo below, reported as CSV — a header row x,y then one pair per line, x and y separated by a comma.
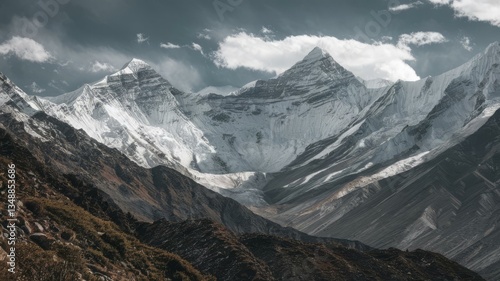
x,y
49,47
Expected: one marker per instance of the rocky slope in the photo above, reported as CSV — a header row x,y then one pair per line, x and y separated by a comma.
x,y
71,231
264,257
451,204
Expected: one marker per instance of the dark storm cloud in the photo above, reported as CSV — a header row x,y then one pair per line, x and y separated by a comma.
x,y
88,39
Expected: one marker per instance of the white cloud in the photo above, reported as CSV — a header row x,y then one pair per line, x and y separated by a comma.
x,y
368,61
203,36
169,45
141,38
98,66
386,38
404,7
466,43
90,59
25,49
440,2
266,30
478,10
420,39
54,85
36,89
70,58
475,10
198,48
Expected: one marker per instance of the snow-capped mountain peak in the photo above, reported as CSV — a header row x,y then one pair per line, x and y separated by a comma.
x,y
316,54
494,46
492,53
318,64
318,73
71,97
135,65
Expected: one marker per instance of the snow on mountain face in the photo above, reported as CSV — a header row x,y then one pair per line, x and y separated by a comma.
x,y
13,95
135,66
317,73
142,115
21,107
375,83
133,110
409,118
136,112
221,91
448,204
266,125
305,114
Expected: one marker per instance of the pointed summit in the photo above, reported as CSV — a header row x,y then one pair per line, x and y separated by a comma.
x,y
318,64
316,54
493,48
135,65
479,64
315,73
132,67
130,73
494,45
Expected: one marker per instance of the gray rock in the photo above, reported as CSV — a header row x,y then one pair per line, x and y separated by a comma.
x,y
42,240
39,227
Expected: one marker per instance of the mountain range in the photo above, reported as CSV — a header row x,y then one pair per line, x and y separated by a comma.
x,y
85,212
407,164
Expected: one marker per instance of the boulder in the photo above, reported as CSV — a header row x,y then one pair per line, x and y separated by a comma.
x,y
42,240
